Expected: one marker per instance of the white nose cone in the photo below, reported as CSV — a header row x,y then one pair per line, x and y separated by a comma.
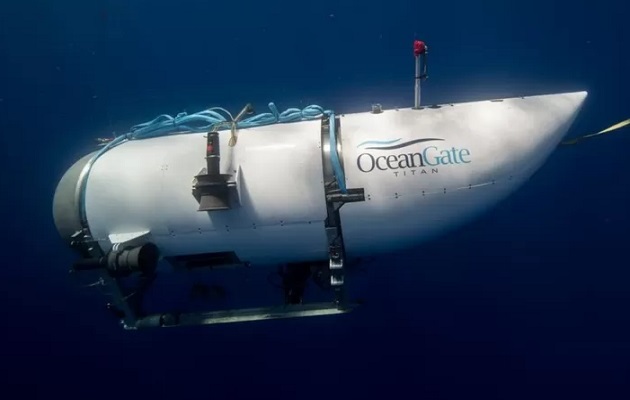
x,y
537,125
427,171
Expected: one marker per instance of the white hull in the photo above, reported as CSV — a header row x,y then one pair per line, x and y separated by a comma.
x,y
486,150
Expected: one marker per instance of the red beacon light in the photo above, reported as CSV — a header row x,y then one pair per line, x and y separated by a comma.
x,y
419,48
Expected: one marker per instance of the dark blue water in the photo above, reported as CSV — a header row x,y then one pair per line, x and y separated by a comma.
x,y
530,301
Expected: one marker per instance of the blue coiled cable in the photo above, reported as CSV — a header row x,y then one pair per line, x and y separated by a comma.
x,y
204,121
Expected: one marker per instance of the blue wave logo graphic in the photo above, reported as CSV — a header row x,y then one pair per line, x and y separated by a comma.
x,y
378,142
389,144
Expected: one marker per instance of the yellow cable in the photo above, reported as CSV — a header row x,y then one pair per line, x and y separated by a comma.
x,y
609,129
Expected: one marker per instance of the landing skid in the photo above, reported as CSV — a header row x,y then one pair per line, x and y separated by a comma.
x,y
242,315
127,273
127,289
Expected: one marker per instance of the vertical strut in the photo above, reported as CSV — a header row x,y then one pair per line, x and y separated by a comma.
x,y
420,50
336,196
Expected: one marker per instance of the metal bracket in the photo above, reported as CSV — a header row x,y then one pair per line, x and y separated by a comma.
x,y
335,199
87,246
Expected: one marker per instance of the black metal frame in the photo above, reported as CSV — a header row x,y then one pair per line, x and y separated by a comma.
x,y
335,199
130,311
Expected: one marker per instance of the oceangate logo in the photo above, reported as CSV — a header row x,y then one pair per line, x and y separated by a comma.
x,y
425,161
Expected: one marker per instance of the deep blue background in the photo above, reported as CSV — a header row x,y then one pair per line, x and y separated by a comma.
x,y
530,301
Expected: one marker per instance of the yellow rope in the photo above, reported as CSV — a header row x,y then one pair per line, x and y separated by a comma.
x,y
618,125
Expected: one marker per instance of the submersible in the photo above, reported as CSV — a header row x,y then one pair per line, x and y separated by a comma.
x,y
306,189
